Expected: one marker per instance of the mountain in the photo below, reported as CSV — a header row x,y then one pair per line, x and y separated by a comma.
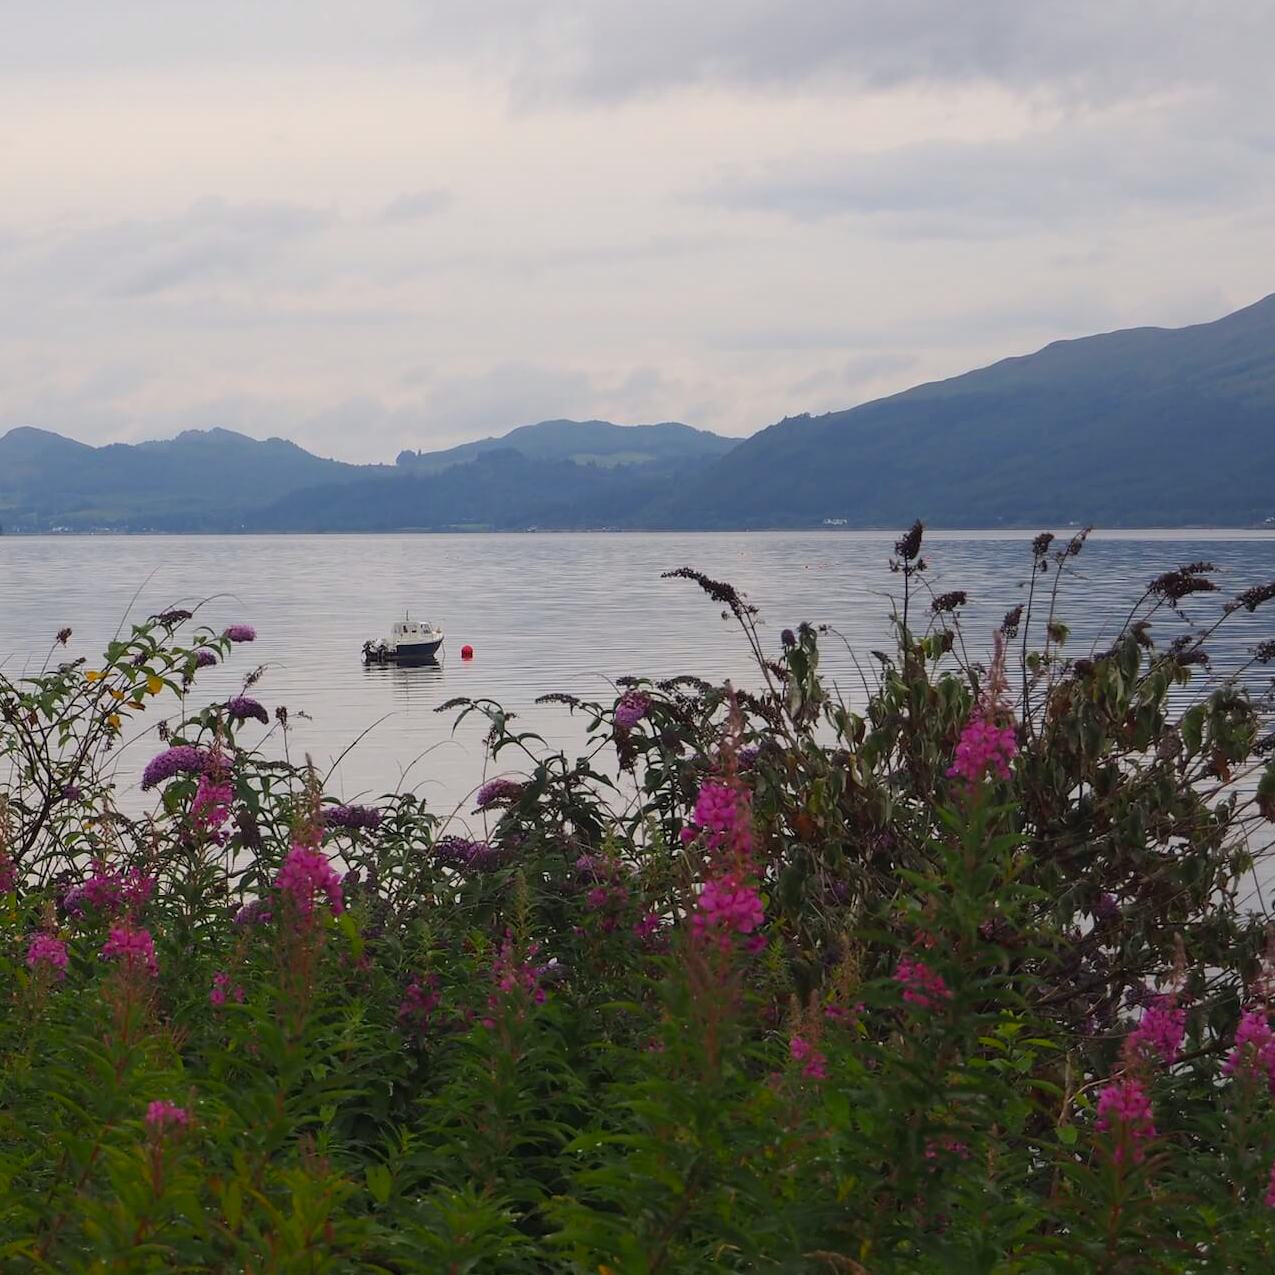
x,y
499,491
1143,427
585,443
200,480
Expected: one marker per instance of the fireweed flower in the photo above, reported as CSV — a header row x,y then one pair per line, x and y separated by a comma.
x,y
134,948
515,977
164,1115
983,749
814,1064
922,986
184,759
726,907
989,741
49,952
1125,1110
420,1000
222,988
210,807
241,707
1158,1035
352,817
497,792
723,815
241,633
1253,1056
8,874
631,708
305,873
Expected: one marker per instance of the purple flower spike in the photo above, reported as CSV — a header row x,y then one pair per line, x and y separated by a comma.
x,y
243,707
204,658
463,854
352,817
498,792
241,633
185,759
631,708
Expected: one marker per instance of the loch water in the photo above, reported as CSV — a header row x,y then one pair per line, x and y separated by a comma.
x,y
545,613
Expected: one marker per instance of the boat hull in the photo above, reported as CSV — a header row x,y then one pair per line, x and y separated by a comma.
x,y
403,652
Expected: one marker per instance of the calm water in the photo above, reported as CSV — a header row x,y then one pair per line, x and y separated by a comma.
x,y
544,613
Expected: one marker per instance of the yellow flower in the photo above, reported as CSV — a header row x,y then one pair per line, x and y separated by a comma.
x,y
92,675
113,721
116,693
154,685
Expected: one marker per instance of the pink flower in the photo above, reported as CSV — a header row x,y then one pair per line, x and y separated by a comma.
x,y
210,807
813,1061
221,988
46,950
164,1115
135,948
1159,1032
1254,1052
104,890
8,874
984,748
1125,1110
727,906
922,986
723,816
305,873
420,1000
138,888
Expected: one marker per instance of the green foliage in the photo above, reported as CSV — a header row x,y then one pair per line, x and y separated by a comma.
x,y
535,1053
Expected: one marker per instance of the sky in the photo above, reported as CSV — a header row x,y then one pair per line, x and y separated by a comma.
x,y
408,223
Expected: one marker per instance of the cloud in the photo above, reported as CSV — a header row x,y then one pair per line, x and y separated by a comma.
x,y
984,189
419,205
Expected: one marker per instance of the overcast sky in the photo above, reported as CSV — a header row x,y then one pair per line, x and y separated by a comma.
x,y
381,224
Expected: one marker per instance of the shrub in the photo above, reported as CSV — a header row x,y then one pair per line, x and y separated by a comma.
x,y
954,979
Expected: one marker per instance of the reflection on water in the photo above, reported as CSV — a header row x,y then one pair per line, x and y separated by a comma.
x,y
545,613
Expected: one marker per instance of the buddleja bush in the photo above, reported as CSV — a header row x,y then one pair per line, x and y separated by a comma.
x,y
953,978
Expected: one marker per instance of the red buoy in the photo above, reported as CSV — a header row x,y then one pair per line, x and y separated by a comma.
x,y
466,652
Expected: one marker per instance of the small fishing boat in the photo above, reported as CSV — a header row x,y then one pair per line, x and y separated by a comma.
x,y
410,642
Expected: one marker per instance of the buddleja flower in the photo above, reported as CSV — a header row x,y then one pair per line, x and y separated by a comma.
x,y
47,951
631,708
134,948
184,759
420,1000
242,707
205,657
254,912
163,1115
498,792
352,817
1125,1110
305,874
460,852
241,633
